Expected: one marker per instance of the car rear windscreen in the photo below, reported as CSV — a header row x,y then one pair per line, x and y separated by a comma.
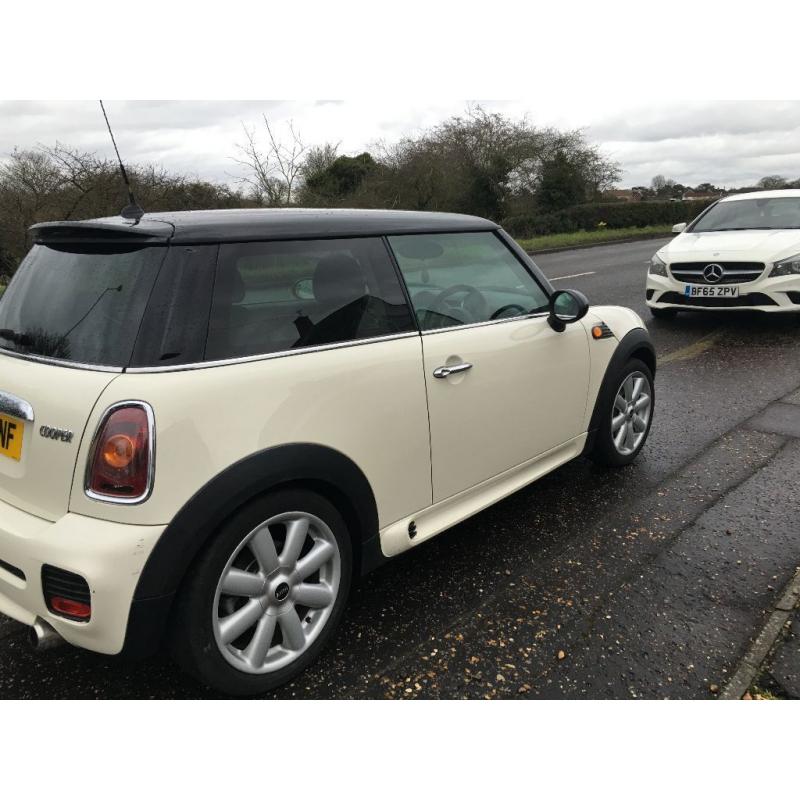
x,y
79,303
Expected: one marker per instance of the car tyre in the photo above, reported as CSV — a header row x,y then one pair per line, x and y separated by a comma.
x,y
264,598
626,414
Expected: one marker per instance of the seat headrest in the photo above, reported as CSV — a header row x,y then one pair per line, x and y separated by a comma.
x,y
338,279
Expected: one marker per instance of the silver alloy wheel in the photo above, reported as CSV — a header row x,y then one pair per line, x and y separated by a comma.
x,y
277,592
630,413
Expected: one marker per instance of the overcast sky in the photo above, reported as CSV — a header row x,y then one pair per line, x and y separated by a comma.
x,y
726,143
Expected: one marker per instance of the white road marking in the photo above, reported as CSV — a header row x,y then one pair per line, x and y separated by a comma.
x,y
576,275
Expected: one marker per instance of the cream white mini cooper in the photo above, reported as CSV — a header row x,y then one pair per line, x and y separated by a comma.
x,y
212,422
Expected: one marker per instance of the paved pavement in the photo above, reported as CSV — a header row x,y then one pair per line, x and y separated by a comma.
x,y
649,581
780,674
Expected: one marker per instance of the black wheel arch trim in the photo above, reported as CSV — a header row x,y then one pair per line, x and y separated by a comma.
x,y
323,468
635,343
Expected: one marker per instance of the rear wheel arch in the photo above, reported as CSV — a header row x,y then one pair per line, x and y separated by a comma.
x,y
317,468
197,639
354,521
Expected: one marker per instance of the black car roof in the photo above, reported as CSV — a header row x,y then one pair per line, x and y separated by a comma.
x,y
253,224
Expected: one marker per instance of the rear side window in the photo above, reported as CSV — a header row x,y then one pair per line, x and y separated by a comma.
x,y
276,296
176,321
79,303
465,278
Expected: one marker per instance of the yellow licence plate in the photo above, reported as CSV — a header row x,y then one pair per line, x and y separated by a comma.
x,y
11,437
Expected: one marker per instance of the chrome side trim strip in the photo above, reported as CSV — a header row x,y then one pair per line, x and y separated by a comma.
x,y
321,348
151,455
58,362
15,406
484,324
268,356
264,356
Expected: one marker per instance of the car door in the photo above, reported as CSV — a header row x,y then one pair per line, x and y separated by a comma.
x,y
503,387
339,368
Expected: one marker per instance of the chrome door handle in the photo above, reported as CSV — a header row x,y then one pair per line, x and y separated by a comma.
x,y
445,372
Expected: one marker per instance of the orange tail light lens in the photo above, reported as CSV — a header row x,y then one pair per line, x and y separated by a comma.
x,y
118,451
120,465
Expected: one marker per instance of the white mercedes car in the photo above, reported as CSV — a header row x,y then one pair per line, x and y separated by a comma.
x,y
743,252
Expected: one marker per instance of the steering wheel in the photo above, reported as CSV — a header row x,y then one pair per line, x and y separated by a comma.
x,y
509,307
477,313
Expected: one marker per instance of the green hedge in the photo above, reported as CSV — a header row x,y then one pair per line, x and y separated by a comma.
x,y
614,215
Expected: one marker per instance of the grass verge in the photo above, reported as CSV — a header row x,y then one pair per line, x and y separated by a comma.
x,y
592,237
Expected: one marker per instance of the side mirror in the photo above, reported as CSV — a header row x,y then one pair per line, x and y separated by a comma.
x,y
679,228
566,306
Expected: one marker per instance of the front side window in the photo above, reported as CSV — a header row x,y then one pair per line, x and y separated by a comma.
x,y
276,296
465,278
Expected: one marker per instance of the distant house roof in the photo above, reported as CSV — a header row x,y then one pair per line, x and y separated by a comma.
x,y
692,194
624,194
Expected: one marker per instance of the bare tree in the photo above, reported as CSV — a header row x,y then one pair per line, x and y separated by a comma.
x,y
773,182
61,182
259,177
480,163
319,158
82,174
273,174
662,187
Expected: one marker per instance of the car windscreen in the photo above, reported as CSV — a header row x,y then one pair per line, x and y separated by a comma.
x,y
79,303
764,213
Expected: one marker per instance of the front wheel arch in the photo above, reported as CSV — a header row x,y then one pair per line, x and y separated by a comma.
x,y
635,344
647,355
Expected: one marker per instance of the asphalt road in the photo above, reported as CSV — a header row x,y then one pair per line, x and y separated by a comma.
x,y
648,581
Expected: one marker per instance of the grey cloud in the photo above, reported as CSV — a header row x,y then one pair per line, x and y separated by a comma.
x,y
724,142
694,119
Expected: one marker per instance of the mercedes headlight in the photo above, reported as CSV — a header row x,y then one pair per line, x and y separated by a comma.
x,y
658,266
789,266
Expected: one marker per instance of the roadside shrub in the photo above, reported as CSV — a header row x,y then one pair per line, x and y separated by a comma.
x,y
614,215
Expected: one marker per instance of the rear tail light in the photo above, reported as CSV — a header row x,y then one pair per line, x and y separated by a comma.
x,y
66,593
121,464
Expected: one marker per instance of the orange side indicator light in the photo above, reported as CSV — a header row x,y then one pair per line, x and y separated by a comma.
x,y
597,332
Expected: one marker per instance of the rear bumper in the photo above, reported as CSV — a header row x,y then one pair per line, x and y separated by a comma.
x,y
773,295
110,556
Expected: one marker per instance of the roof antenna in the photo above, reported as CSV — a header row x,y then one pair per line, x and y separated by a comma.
x,y
133,210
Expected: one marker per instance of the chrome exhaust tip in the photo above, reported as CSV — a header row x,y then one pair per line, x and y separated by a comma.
x,y
43,636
